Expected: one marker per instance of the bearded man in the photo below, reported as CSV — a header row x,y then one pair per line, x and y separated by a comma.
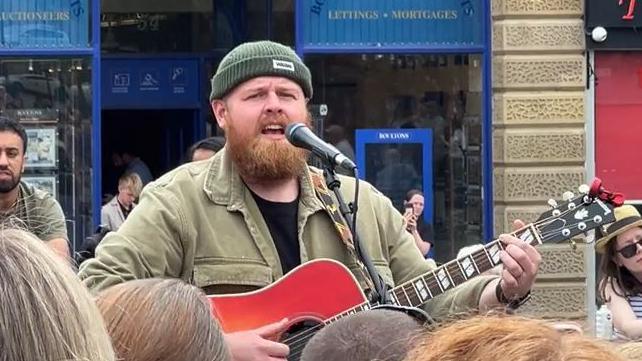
x,y
22,205
250,214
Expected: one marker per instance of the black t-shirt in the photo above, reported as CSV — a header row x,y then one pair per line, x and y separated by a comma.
x,y
281,219
425,230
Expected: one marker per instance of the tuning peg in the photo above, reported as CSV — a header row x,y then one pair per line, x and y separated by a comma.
x,y
568,195
584,189
553,203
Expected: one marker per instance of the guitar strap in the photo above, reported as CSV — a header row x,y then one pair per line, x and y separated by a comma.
x,y
340,224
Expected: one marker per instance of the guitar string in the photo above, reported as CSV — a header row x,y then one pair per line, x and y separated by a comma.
x,y
486,262
298,341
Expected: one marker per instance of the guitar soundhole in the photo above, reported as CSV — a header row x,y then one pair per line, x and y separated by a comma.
x,y
298,335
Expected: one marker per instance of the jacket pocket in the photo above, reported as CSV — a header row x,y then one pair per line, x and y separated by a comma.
x,y
215,277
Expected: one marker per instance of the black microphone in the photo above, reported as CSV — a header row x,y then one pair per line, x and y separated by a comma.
x,y
301,136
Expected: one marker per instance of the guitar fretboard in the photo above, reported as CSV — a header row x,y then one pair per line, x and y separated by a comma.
x,y
419,290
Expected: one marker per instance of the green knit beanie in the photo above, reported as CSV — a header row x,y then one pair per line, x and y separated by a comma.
x,y
260,58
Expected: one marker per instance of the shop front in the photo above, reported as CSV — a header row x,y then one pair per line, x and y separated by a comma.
x,y
397,77
49,62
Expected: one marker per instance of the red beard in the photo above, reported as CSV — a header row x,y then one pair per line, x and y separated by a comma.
x,y
264,159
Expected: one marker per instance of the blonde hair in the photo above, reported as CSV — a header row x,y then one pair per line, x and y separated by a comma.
x,y
140,314
630,350
508,338
132,182
46,314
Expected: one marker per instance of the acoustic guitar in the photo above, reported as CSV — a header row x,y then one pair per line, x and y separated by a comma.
x,y
322,291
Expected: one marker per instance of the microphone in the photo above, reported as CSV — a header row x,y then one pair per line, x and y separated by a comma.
x,y
301,136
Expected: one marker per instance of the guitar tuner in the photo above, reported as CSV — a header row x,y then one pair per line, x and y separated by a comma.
x,y
567,196
553,203
584,189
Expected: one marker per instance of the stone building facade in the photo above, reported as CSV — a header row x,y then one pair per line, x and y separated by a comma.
x,y
539,139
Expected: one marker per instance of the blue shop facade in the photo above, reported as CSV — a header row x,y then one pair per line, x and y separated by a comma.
x,y
402,84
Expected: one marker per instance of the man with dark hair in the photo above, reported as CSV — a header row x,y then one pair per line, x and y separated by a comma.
x,y
204,149
22,205
365,336
133,164
252,214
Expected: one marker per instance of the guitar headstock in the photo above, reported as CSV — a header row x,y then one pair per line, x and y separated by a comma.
x,y
592,208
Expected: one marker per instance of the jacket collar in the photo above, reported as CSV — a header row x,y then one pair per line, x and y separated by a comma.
x,y
224,186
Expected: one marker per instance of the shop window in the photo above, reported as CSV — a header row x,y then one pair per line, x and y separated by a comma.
x,y
438,92
133,26
52,99
283,22
196,26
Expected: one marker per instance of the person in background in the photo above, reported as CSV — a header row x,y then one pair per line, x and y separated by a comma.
x,y
497,337
396,176
204,149
21,204
114,213
132,164
620,284
161,320
379,334
632,351
46,314
420,230
253,213
336,135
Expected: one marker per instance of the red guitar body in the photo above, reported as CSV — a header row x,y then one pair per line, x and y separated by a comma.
x,y
314,291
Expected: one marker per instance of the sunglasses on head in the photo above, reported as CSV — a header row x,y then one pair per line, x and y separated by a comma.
x,y
630,250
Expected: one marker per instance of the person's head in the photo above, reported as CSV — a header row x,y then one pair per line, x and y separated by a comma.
x,y
370,335
117,159
391,156
335,133
128,157
507,338
258,89
630,350
122,157
46,313
205,148
161,319
415,198
621,250
129,188
13,147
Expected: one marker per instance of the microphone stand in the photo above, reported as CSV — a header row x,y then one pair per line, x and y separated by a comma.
x,y
379,294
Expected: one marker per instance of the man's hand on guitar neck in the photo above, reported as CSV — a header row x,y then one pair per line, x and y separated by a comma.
x,y
257,344
520,265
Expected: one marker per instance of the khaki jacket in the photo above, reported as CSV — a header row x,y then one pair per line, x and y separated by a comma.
x,y
200,223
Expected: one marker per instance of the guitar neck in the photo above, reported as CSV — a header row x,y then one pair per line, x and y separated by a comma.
x,y
420,290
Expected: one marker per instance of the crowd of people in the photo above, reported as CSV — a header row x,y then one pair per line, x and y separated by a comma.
x,y
245,213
